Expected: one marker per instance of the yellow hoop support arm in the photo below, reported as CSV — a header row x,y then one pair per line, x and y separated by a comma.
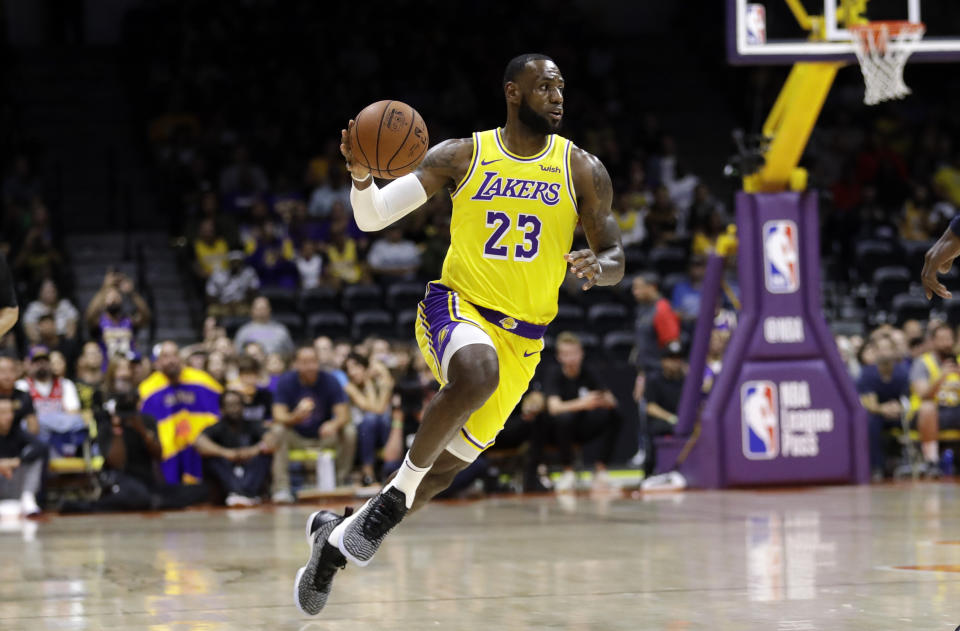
x,y
800,13
789,124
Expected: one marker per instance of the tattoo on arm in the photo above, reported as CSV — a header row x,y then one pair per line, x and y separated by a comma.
x,y
443,157
600,226
602,186
444,165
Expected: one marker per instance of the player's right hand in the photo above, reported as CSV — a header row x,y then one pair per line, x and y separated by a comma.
x,y
358,171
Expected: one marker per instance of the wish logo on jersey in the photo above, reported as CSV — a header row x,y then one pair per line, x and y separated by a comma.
x,y
760,422
781,259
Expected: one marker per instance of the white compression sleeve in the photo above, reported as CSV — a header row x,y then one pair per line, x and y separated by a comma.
x,y
374,208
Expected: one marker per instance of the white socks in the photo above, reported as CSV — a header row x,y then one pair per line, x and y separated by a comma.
x,y
931,450
408,479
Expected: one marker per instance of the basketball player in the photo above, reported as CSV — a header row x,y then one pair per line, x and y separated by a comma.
x,y
518,193
939,260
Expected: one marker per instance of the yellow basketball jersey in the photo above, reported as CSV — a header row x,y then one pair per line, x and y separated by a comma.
x,y
513,220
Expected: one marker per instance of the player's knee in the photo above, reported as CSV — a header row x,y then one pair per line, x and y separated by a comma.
x,y
475,371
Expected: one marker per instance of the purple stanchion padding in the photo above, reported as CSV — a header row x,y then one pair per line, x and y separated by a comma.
x,y
783,410
693,384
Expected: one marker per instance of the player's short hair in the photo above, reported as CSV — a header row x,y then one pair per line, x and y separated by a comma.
x,y
516,65
568,338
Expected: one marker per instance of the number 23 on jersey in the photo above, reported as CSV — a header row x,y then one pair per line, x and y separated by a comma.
x,y
501,224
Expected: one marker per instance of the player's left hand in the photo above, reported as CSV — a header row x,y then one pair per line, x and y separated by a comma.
x,y
584,264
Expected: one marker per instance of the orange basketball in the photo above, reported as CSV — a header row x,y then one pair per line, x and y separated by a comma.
x,y
390,138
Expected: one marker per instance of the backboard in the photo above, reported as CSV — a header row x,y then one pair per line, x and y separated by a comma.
x,y
768,32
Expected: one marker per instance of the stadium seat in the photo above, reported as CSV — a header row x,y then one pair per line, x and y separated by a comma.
x,y
281,299
406,321
333,324
952,310
318,299
668,261
373,322
404,295
913,252
362,298
606,317
618,345
634,259
871,256
889,282
231,324
848,328
293,321
569,318
909,307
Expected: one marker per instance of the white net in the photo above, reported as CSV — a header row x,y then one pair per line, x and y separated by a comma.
x,y
882,49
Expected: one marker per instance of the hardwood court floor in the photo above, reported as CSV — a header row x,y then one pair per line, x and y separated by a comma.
x,y
883,557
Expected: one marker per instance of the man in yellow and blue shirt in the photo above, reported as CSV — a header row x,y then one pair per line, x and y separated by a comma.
x,y
185,401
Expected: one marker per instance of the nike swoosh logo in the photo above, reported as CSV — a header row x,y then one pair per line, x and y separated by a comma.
x,y
484,163
525,354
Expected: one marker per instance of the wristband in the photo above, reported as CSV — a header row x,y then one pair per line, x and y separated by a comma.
x,y
396,424
369,175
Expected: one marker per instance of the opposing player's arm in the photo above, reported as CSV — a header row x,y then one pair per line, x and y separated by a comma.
x,y
374,208
939,259
602,264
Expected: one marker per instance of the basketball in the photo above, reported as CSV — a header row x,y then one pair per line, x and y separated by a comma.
x,y
390,138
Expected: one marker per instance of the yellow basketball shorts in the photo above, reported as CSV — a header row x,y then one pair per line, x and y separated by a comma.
x,y
446,323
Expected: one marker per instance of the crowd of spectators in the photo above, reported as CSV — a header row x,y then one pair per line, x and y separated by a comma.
x,y
255,186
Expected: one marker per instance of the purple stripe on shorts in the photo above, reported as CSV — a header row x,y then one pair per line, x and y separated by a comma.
x,y
436,312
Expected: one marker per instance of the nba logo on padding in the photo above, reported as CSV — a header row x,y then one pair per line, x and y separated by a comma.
x,y
756,24
760,420
781,259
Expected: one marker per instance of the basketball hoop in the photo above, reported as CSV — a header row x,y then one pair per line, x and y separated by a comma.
x,y
882,49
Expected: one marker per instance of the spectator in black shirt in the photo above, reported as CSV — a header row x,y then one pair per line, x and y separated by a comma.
x,y
882,387
579,410
48,336
661,397
131,451
9,309
23,413
236,452
257,400
21,462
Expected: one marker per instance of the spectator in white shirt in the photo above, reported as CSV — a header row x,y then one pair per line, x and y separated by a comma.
x,y
55,399
230,291
309,265
394,256
48,302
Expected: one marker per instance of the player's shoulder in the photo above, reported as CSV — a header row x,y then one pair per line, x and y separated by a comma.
x,y
582,160
450,153
588,173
